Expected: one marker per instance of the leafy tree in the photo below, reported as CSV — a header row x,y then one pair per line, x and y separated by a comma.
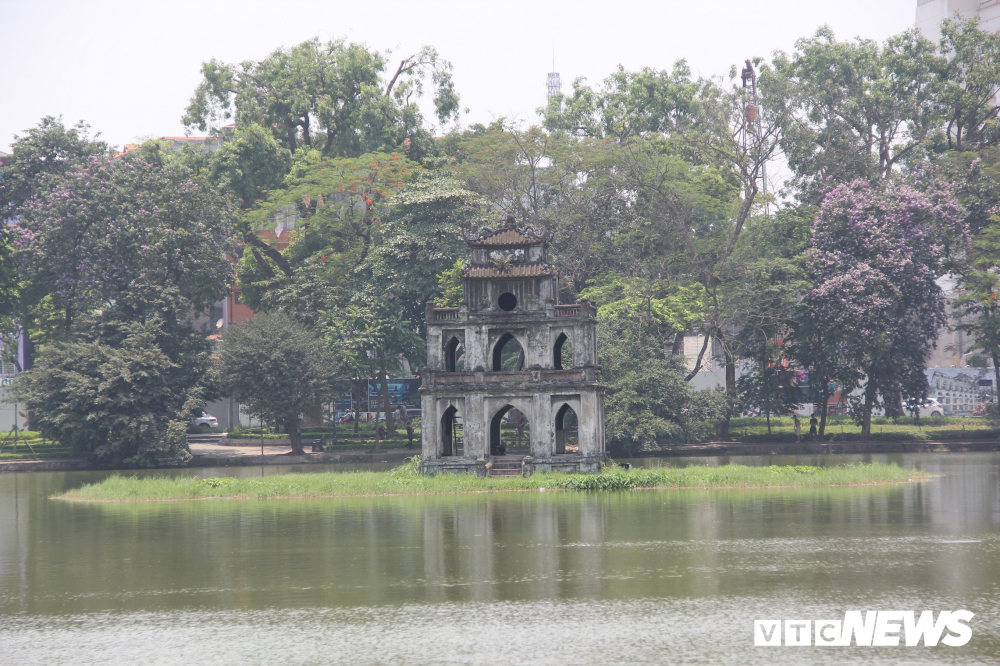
x,y
977,303
49,149
969,72
770,386
874,258
689,159
860,109
278,369
648,402
550,181
450,286
418,238
248,164
100,231
372,339
330,97
124,388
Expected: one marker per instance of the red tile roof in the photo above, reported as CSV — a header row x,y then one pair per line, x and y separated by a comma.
x,y
506,237
517,271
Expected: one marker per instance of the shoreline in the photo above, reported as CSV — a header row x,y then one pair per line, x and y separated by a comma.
x,y
918,478
407,480
708,449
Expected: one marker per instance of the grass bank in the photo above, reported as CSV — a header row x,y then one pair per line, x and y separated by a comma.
x,y
843,429
39,448
406,480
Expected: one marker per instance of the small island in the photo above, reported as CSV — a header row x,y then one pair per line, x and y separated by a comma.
x,y
407,480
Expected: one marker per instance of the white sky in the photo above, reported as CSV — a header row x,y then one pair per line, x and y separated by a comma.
x,y
128,68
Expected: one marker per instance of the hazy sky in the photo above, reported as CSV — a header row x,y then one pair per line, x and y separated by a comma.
x,y
129,68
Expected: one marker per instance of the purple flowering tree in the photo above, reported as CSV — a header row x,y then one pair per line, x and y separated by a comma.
x,y
874,258
99,231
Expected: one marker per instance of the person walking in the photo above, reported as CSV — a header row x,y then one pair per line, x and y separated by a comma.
x,y
409,433
812,424
798,428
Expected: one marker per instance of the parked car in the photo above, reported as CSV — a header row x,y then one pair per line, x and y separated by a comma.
x,y
931,407
205,422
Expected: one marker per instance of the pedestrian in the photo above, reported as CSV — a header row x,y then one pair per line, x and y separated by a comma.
x,y
409,433
521,421
812,424
798,428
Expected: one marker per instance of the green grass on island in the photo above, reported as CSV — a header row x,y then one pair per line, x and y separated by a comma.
x,y
406,480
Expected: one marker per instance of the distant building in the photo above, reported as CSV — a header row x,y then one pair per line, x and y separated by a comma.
x,y
930,14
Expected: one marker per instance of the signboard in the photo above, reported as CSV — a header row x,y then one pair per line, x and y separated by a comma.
x,y
367,394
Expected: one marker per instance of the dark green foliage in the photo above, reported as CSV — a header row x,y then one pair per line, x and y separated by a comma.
x,y
123,389
277,369
418,238
648,402
335,97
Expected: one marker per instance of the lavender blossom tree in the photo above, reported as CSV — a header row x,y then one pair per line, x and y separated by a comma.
x,y
100,230
874,258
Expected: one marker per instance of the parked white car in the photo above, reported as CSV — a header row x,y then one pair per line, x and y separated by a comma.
x,y
931,407
204,422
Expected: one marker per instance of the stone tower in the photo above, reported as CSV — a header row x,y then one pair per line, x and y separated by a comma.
x,y
511,299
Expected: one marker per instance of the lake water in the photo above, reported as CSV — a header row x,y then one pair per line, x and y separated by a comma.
x,y
644,577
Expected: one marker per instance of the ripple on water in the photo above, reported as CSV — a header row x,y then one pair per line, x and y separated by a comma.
x,y
716,631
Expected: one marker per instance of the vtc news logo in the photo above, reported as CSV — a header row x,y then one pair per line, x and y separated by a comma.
x,y
874,629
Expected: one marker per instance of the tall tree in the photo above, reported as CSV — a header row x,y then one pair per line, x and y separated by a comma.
x,y
979,288
48,149
123,388
277,368
690,156
861,109
418,238
874,258
969,73
330,97
99,231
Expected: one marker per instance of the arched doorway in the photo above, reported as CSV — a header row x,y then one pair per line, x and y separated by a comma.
x,y
512,432
454,356
567,431
507,354
451,433
562,353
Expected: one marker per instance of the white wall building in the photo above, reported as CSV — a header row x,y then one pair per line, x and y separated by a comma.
x,y
930,13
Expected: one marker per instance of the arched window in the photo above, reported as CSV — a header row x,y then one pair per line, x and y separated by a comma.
x,y
508,433
454,356
562,353
507,354
567,431
451,433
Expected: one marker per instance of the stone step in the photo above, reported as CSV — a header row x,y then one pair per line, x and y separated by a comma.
x,y
505,472
506,464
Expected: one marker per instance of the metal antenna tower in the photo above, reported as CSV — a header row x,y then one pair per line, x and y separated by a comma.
x,y
750,135
553,85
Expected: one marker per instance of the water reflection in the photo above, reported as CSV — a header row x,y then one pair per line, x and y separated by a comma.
x,y
729,553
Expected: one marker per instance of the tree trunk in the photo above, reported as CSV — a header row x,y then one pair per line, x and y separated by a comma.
x,y
384,379
769,423
722,427
295,434
825,396
313,417
866,416
354,407
678,347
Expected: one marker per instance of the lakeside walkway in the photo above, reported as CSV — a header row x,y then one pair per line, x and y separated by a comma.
x,y
211,452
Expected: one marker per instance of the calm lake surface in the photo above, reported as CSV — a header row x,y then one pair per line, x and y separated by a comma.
x,y
644,577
